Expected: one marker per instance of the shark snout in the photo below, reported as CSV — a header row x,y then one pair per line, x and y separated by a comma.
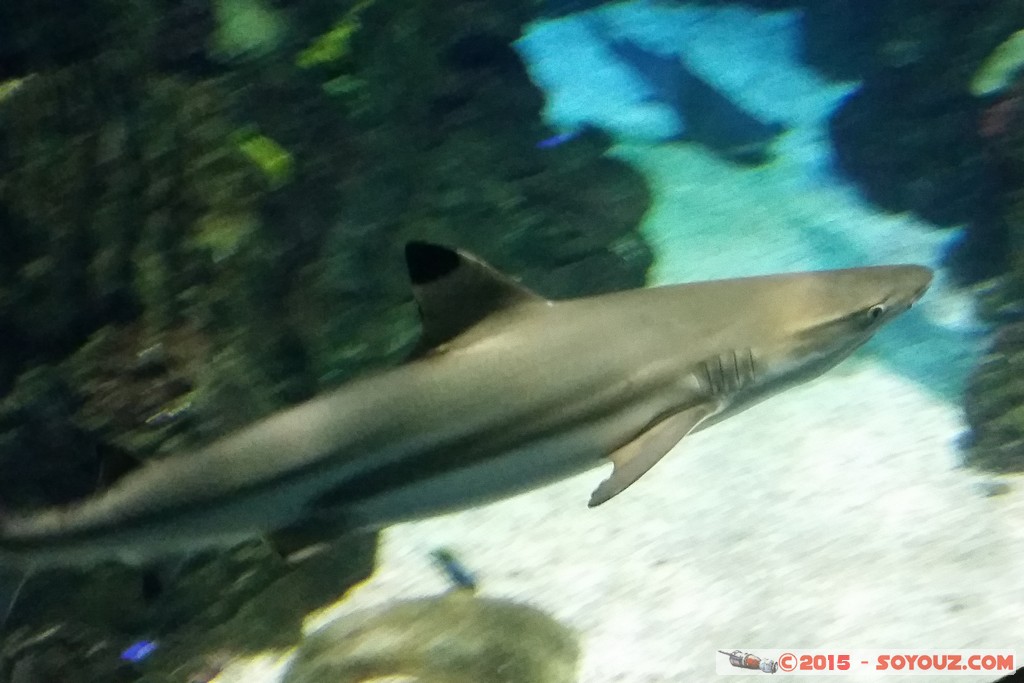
x,y
918,279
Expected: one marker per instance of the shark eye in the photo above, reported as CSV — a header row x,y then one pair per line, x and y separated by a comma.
x,y
876,312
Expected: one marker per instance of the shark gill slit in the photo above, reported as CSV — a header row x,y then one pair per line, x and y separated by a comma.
x,y
710,387
728,373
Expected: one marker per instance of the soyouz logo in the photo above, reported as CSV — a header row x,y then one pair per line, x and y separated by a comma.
x,y
842,662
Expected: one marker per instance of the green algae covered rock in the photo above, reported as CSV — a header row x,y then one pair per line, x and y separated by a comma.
x,y
909,135
260,603
336,44
275,162
457,637
192,242
246,29
994,396
1001,67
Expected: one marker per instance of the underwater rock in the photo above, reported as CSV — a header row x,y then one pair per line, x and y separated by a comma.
x,y
445,122
124,249
841,36
246,29
910,136
260,603
47,655
221,248
42,35
45,457
457,637
994,404
557,8
186,29
920,154
994,396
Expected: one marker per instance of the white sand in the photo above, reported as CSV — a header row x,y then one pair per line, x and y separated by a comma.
x,y
830,517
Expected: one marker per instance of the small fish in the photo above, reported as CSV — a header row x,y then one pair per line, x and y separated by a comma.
x,y
455,571
138,651
558,139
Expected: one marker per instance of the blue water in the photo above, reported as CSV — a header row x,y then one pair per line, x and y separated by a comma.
x,y
712,219
751,56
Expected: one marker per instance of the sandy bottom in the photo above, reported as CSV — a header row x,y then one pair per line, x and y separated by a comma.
x,y
834,515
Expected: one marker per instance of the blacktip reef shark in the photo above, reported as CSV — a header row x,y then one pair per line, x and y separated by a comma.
x,y
509,391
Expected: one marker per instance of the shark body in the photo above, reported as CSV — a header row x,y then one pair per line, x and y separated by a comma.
x,y
509,392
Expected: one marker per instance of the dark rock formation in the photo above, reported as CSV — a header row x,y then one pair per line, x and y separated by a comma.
x,y
910,136
995,404
994,399
194,238
214,607
915,138
456,637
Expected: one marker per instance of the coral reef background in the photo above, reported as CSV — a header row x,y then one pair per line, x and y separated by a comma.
x,y
202,204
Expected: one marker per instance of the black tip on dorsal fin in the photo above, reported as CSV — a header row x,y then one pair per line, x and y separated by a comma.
x,y
428,262
455,290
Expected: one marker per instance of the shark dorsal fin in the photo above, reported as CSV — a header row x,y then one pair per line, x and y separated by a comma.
x,y
641,454
455,290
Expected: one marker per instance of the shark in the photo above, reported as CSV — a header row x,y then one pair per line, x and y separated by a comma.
x,y
708,115
506,392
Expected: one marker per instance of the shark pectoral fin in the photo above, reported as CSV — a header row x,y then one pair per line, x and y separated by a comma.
x,y
641,454
455,290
